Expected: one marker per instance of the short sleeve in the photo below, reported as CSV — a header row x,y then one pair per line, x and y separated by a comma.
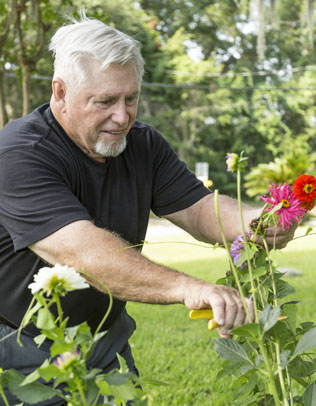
x,y
35,197
175,187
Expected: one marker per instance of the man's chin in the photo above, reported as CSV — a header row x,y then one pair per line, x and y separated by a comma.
x,y
113,149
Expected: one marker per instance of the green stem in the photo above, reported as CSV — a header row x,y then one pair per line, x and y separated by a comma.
x,y
288,377
4,396
229,257
260,293
81,391
22,325
280,372
59,308
275,300
253,288
110,299
272,387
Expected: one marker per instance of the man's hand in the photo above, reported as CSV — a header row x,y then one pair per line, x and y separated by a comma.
x,y
277,238
225,302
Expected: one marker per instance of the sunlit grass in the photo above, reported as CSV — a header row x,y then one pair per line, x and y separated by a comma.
x,y
170,347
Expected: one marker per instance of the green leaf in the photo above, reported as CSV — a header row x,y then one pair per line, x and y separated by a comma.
x,y
283,289
275,208
98,336
309,230
45,320
40,339
309,396
123,366
268,317
117,378
289,310
104,387
250,330
284,358
261,270
31,313
231,350
154,382
124,392
246,388
307,341
58,347
48,372
301,368
32,393
32,377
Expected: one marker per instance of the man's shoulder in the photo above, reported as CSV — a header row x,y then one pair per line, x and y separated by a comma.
x,y
144,133
25,130
141,126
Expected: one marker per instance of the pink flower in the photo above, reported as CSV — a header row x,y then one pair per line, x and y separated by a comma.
x,y
290,209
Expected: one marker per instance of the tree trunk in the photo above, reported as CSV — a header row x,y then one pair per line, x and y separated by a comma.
x,y
26,78
310,21
3,113
260,28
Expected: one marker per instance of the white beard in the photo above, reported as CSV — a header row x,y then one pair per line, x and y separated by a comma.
x,y
112,148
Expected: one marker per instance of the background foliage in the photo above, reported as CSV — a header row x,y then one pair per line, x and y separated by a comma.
x,y
221,76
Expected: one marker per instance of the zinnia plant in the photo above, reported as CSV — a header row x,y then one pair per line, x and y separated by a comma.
x,y
270,358
287,207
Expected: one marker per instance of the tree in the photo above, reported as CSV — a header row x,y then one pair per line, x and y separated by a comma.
x,y
6,17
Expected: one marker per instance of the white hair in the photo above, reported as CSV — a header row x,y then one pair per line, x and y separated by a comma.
x,y
75,45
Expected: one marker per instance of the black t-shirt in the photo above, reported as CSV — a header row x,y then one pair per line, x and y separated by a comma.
x,y
47,182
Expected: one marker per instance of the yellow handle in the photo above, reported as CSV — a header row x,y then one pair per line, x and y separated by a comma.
x,y
204,314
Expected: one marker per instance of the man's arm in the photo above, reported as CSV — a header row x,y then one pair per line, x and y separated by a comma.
x,y
131,276
201,222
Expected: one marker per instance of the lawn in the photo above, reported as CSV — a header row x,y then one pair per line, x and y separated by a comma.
x,y
168,346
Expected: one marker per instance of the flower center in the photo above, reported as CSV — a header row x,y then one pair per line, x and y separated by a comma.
x,y
285,203
308,188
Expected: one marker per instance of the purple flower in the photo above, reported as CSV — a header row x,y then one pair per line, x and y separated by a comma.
x,y
67,358
232,162
236,248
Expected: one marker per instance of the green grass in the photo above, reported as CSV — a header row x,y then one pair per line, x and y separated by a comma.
x,y
169,347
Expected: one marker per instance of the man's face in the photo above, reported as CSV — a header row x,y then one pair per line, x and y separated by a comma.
x,y
98,116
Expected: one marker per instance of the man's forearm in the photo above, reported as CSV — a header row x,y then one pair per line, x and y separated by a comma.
x,y
201,222
130,276
127,273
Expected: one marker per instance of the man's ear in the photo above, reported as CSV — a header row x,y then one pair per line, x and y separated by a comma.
x,y
59,93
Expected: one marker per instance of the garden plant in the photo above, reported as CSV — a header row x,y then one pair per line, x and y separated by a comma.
x,y
70,349
271,357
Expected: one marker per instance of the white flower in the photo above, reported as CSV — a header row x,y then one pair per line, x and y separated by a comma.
x,y
60,277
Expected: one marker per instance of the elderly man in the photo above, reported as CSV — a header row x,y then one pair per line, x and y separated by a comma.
x,y
78,178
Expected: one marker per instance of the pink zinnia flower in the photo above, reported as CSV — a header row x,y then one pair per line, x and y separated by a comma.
x,y
290,209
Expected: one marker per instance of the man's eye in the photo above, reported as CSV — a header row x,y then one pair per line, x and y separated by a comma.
x,y
131,100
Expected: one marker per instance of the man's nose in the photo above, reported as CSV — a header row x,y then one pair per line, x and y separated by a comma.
x,y
120,114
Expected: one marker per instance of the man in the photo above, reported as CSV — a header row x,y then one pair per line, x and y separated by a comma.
x,y
78,178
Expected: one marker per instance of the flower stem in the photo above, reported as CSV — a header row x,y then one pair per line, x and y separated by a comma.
x,y
81,391
280,372
290,386
253,288
272,387
23,322
275,300
229,256
110,299
59,309
4,396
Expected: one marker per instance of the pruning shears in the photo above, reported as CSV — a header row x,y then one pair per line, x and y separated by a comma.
x,y
204,314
